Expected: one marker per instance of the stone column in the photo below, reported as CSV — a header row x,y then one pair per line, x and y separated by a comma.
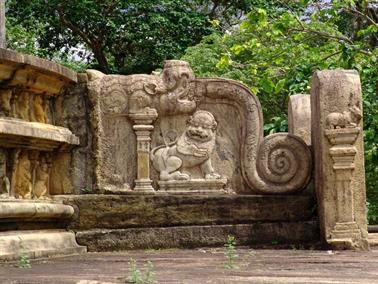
x,y
337,138
143,128
343,153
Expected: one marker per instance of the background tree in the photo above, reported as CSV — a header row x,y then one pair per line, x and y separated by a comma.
x,y
276,51
124,36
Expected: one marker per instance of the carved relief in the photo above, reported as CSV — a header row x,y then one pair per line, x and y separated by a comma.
x,y
39,113
349,118
192,149
4,180
23,176
277,164
5,102
23,106
42,179
167,92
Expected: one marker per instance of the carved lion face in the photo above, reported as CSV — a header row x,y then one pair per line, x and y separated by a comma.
x,y
201,126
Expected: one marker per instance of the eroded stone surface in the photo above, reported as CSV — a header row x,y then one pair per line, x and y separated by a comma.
x,y
160,210
37,244
339,157
283,233
240,153
299,117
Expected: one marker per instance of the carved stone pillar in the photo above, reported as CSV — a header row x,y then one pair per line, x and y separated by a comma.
x,y
143,128
337,139
343,154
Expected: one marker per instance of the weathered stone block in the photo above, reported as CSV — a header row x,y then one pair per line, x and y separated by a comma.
x,y
337,137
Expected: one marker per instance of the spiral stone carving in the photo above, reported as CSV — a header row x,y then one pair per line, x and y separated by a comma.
x,y
284,159
277,164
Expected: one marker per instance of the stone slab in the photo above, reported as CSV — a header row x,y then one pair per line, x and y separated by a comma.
x,y
28,210
32,73
37,244
199,185
150,210
299,116
34,135
199,236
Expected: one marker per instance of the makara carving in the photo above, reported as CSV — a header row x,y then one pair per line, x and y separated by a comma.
x,y
192,149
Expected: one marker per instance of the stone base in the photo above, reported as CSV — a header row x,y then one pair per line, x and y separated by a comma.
x,y
347,236
143,186
29,209
197,185
265,234
37,244
347,230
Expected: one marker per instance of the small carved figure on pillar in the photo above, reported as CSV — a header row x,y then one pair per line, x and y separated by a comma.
x,y
22,106
192,149
5,102
39,109
42,179
4,180
23,186
350,118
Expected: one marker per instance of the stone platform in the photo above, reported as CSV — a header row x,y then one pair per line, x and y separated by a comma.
x,y
113,222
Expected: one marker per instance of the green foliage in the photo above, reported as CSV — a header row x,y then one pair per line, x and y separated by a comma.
x,y
122,36
277,124
24,262
145,276
230,253
276,49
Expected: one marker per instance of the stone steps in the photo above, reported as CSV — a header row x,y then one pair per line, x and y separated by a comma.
x,y
281,234
167,210
37,244
140,221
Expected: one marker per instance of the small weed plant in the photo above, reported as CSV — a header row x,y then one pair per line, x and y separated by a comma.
x,y
138,276
230,253
24,261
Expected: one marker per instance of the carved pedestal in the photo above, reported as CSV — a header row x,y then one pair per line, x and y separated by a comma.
x,y
337,139
143,127
343,154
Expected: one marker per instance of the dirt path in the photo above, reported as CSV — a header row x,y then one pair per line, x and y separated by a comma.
x,y
203,266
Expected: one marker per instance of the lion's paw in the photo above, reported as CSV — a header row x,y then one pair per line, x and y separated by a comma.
x,y
180,176
213,176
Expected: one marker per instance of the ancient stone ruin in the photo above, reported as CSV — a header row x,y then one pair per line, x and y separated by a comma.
x,y
171,160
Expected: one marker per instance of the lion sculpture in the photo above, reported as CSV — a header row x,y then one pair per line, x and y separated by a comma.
x,y
192,149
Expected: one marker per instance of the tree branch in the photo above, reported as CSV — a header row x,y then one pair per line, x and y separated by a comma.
x,y
355,11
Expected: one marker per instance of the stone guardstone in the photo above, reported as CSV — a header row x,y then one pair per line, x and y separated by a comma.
x,y
337,139
299,117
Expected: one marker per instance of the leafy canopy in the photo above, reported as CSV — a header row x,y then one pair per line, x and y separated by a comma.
x,y
123,36
276,50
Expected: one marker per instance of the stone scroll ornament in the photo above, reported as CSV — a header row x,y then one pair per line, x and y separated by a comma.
x,y
277,164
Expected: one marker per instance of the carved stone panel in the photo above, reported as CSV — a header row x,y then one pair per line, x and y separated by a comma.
x,y
339,157
204,130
